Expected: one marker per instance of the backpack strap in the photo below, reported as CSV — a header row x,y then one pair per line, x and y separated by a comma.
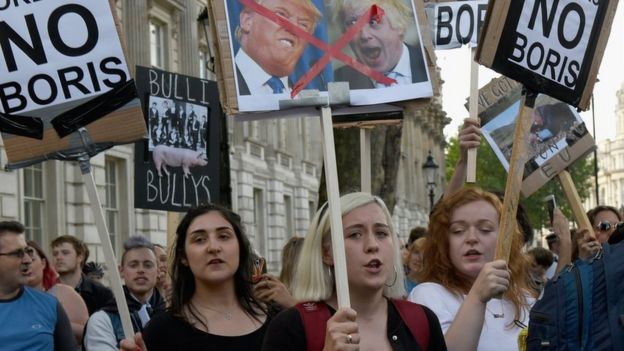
x,y
414,316
117,326
314,316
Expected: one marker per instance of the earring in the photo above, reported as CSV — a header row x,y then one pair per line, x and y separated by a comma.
x,y
396,274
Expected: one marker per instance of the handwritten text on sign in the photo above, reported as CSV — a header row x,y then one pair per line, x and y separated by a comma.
x,y
553,36
56,51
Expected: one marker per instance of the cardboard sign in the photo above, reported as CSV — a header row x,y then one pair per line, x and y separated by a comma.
x,y
557,139
552,47
269,50
182,149
456,23
62,67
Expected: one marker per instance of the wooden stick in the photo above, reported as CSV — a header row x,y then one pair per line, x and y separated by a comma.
x,y
333,198
365,160
471,165
574,200
519,156
109,255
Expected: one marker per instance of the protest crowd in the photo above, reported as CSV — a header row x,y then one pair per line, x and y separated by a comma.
x,y
469,280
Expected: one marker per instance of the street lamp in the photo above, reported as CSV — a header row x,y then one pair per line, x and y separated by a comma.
x,y
431,169
210,60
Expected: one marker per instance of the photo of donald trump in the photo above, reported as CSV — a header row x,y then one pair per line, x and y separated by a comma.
x,y
268,52
380,44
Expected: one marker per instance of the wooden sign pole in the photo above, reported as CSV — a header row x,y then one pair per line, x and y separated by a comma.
x,y
109,255
335,214
574,200
365,160
514,176
471,165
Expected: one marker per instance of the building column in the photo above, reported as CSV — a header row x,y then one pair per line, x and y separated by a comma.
x,y
188,39
136,31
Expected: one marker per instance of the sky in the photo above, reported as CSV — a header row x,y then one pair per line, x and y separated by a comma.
x,y
455,70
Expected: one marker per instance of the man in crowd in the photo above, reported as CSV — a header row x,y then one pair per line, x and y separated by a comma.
x,y
604,219
552,240
380,44
269,52
69,255
32,319
139,270
540,260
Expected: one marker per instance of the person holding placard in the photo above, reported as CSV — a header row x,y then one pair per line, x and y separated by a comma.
x,y
212,305
463,284
269,52
375,278
380,44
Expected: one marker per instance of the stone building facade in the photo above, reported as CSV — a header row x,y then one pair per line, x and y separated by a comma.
x,y
275,165
611,163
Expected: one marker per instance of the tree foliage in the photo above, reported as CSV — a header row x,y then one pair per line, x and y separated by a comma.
x,y
491,175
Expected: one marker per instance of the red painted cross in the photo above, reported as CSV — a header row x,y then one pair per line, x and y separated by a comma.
x,y
335,51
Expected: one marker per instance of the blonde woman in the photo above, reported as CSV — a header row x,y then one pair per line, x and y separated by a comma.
x,y
375,278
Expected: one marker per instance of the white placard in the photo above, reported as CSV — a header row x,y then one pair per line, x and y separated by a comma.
x,y
53,52
457,23
553,37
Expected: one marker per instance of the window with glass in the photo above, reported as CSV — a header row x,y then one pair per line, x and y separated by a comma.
x,y
259,214
157,44
34,202
111,204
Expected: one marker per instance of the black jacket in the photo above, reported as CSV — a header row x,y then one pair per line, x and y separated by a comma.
x,y
95,295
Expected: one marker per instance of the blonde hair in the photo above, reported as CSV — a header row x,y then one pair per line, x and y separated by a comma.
x,y
290,257
416,245
314,280
398,12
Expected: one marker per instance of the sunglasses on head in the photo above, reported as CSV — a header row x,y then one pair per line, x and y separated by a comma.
x,y
20,253
606,226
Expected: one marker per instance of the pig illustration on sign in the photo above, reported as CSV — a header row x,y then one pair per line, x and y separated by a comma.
x,y
164,156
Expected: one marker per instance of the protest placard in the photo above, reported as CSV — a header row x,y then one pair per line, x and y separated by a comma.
x,y
455,23
183,163
266,57
558,136
552,47
62,67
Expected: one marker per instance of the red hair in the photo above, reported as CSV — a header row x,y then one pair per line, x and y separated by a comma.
x,y
438,267
50,277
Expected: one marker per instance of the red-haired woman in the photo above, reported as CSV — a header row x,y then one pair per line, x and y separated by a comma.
x,y
462,283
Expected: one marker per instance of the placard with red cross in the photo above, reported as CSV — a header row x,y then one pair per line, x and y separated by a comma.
x,y
277,48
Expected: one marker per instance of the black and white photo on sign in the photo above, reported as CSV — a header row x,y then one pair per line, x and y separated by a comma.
x,y
552,130
455,23
552,38
177,124
268,59
177,134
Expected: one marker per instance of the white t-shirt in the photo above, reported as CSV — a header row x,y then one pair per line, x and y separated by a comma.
x,y
498,334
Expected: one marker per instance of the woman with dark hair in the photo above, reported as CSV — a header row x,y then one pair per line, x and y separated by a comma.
x,y
40,275
212,304
481,303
